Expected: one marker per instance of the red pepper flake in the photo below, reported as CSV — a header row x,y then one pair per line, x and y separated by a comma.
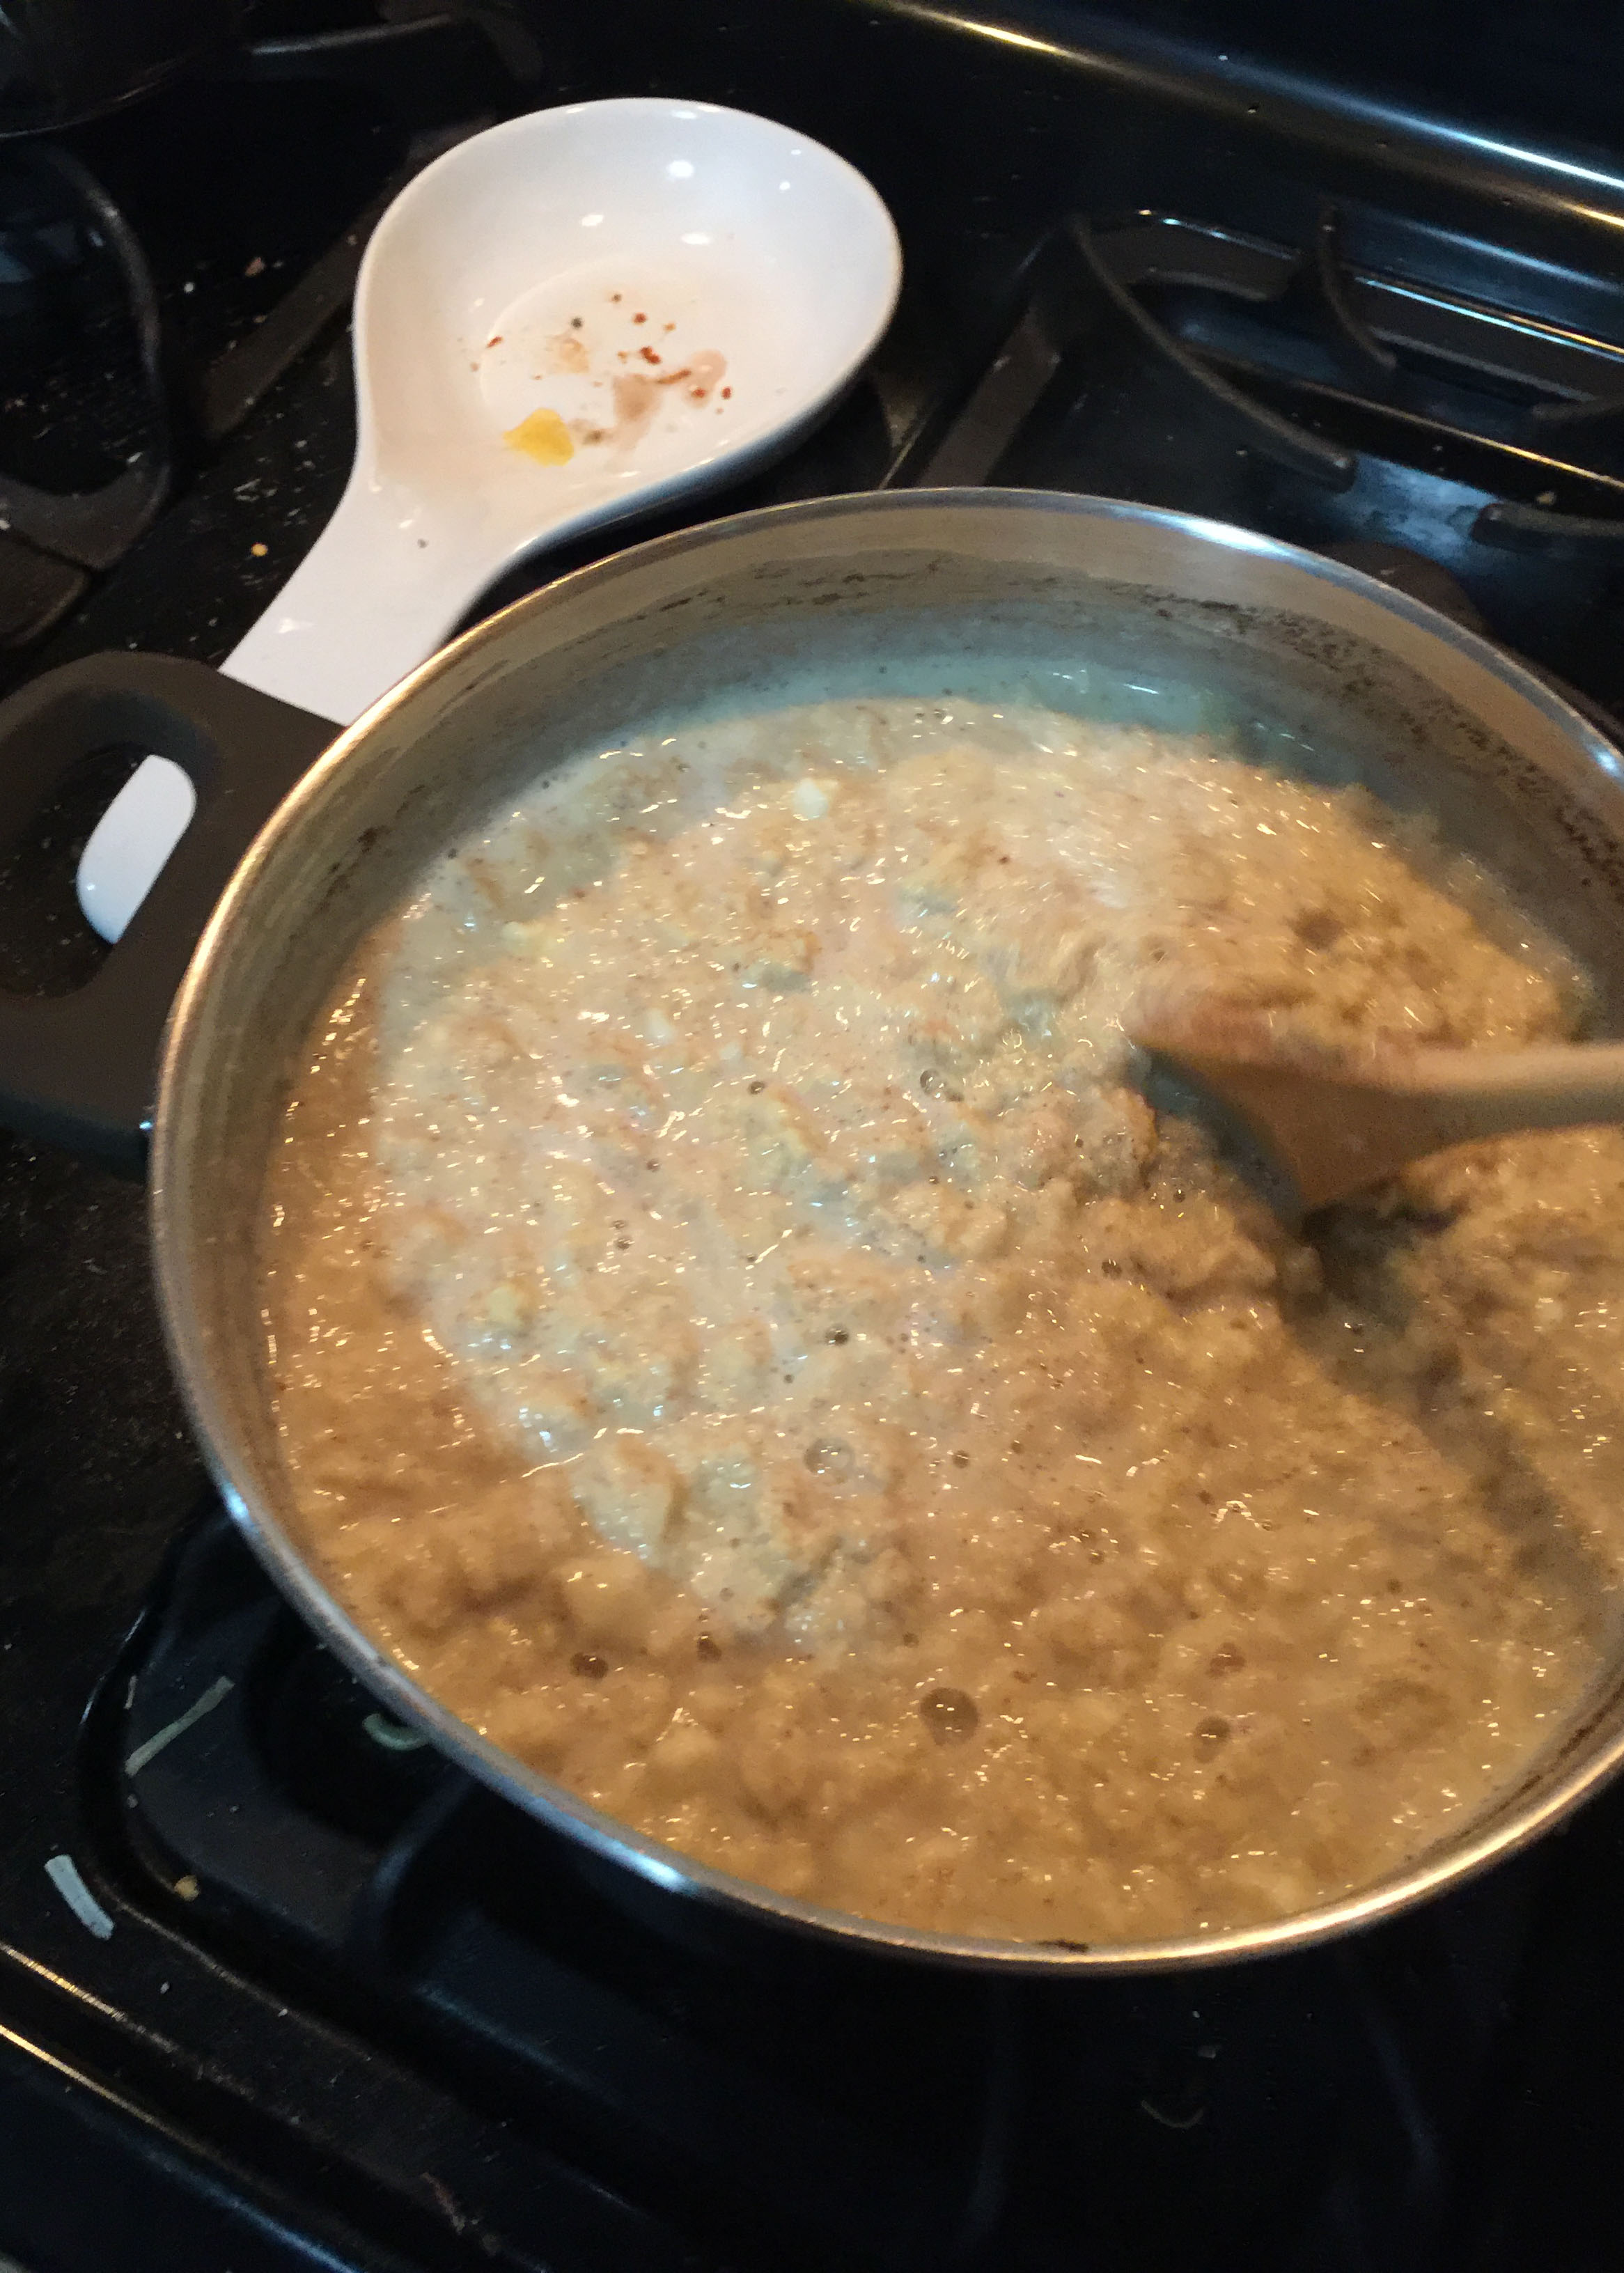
x,y
670,327
727,394
640,318
698,394
494,340
649,355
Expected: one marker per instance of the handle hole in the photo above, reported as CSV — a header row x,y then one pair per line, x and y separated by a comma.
x,y
46,946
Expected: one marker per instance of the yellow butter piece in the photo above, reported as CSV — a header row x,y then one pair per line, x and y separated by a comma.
x,y
544,437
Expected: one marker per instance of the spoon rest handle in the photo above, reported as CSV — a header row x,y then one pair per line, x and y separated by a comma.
x,y
380,590
377,594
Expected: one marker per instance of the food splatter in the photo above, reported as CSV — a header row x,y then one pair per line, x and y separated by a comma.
x,y
705,368
634,398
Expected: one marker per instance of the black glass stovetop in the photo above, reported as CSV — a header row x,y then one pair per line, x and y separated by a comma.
x,y
308,1997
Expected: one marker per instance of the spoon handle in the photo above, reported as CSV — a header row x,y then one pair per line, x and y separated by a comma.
x,y
1339,1121
1488,1093
1338,1135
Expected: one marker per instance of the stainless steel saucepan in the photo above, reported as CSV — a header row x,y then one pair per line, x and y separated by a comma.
x,y
964,590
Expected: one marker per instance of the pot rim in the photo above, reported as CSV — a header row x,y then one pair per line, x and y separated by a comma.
x,y
1513,1828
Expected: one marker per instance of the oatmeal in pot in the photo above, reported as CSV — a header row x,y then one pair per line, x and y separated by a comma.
x,y
745,1337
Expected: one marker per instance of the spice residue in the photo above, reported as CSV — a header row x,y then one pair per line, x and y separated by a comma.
x,y
591,364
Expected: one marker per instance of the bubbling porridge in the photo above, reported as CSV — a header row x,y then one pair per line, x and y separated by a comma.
x,y
744,1337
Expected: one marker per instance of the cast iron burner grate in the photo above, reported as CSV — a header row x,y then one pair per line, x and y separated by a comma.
x,y
1330,399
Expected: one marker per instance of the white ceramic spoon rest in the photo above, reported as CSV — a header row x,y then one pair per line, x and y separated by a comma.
x,y
575,317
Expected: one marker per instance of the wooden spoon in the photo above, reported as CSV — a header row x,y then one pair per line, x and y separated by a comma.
x,y
1337,1120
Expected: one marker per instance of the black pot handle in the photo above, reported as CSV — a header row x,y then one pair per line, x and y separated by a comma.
x,y
80,1069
